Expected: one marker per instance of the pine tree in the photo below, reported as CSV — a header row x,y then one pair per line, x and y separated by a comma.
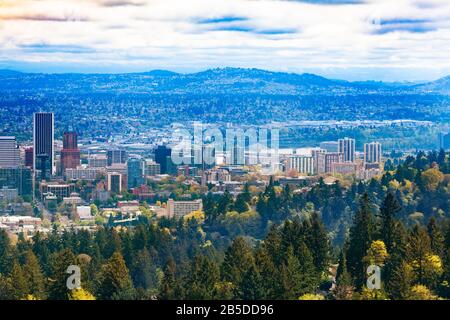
x,y
318,243
266,269
436,238
58,280
388,210
344,286
241,205
201,278
399,278
5,253
34,276
238,259
296,278
418,249
19,282
252,287
361,235
143,271
115,281
169,284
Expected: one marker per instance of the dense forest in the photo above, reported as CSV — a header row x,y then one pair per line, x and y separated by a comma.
x,y
279,244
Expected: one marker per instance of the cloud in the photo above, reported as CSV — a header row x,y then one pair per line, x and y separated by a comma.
x,y
296,36
223,19
331,2
121,3
58,48
44,17
404,25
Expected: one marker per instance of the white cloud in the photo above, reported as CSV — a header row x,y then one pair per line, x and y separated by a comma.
x,y
390,39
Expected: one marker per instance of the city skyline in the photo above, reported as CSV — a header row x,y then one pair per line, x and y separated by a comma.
x,y
374,39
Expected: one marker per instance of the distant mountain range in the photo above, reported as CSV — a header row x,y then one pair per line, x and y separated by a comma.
x,y
213,81
251,96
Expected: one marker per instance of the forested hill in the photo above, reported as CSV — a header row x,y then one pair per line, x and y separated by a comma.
x,y
220,95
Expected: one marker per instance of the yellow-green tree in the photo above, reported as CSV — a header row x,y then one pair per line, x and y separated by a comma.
x,y
81,294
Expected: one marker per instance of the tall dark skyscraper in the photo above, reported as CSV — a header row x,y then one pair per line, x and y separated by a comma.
x,y
70,154
43,143
162,156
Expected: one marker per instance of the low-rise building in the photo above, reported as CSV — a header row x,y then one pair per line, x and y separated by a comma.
x,y
182,208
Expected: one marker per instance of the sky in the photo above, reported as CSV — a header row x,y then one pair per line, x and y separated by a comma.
x,y
389,40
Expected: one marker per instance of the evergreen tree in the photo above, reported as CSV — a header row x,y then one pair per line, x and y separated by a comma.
x,y
34,276
5,253
201,278
399,281
237,261
252,287
143,271
241,205
418,250
19,282
361,235
169,285
58,280
344,286
388,210
318,243
115,280
436,237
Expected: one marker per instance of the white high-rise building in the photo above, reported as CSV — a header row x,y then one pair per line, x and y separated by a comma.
x,y
9,152
346,146
372,152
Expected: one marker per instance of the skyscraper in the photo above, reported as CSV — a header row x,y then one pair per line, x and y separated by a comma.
x,y
135,172
162,156
43,143
372,152
117,156
29,157
115,182
70,154
9,152
346,146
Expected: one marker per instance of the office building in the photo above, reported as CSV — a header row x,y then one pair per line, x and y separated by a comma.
x,y
59,190
17,178
344,167
97,161
83,173
9,152
301,164
114,182
152,168
372,152
163,158
43,144
117,156
346,146
29,157
136,170
70,154
325,160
